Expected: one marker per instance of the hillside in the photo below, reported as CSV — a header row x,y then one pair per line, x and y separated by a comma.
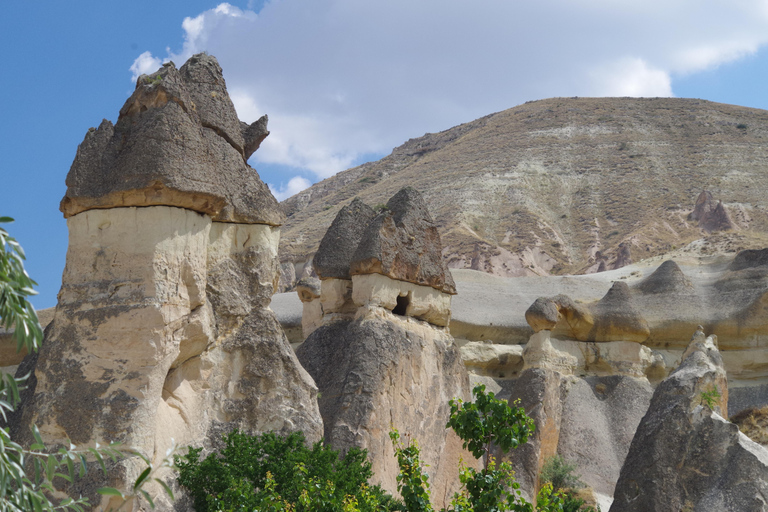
x,y
555,186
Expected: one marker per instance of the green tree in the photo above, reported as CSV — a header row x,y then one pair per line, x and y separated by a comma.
x,y
26,474
481,424
268,471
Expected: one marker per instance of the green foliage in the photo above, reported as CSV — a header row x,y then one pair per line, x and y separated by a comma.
x,y
26,475
479,424
489,420
560,474
710,398
269,472
412,481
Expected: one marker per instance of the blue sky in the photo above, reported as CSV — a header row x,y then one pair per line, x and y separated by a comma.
x,y
343,81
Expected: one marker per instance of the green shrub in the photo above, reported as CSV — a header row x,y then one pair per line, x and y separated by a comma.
x,y
560,474
267,472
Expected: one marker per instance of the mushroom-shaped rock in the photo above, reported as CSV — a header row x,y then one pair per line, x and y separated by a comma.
x,y
402,242
542,315
617,318
668,278
177,142
308,289
334,256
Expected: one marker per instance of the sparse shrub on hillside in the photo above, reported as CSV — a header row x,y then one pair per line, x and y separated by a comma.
x,y
270,472
754,424
560,474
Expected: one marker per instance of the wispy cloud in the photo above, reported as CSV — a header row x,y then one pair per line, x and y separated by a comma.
x,y
294,186
342,78
144,65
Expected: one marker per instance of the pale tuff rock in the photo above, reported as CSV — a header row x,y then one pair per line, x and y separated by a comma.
x,y
615,317
163,329
177,142
492,360
381,371
309,290
686,456
382,357
391,260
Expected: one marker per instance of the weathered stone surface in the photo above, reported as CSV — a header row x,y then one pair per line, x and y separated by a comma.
x,y
334,256
382,371
177,142
599,419
685,456
402,242
402,298
542,315
163,331
492,360
309,291
617,317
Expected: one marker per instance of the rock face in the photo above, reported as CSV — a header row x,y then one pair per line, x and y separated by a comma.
x,y
402,242
383,357
163,329
685,456
177,142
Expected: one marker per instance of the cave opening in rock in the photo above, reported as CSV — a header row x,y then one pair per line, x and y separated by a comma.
x,y
402,304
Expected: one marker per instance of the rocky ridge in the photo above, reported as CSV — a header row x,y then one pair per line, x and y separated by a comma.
x,y
560,185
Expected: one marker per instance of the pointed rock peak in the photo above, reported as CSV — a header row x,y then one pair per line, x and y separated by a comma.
x,y
402,242
709,214
177,142
749,259
204,79
618,294
334,256
668,278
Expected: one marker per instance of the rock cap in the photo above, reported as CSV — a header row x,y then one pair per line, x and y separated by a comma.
x,y
177,142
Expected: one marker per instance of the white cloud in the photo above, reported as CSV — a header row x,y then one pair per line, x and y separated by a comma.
x,y
342,78
294,186
144,65
631,77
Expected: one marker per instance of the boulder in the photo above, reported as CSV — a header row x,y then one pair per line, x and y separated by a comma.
x,y
685,455
402,242
542,315
178,143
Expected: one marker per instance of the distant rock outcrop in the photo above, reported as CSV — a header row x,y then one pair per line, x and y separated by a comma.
x,y
709,214
382,356
163,330
685,456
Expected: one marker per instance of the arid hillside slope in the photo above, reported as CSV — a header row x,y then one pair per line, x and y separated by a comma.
x,y
555,186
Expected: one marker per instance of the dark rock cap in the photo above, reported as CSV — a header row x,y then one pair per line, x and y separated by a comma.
x,y
542,315
402,242
333,257
177,142
750,258
668,278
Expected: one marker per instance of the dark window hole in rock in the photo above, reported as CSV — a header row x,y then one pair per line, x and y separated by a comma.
x,y
402,304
